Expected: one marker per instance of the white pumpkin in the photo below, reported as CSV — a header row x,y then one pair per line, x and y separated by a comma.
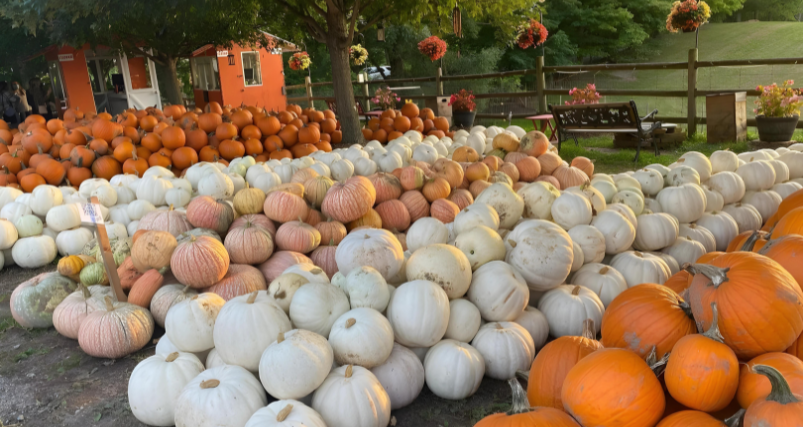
x,y
364,167
295,364
619,233
697,161
245,327
139,208
32,252
177,197
624,181
401,375
652,205
685,202
464,320
724,161
342,170
591,242
190,323
757,176
541,252
225,396
603,280
794,162
72,242
498,291
156,383
670,261
425,153
747,217
453,369
571,209
44,198
655,231
506,347
14,211
685,250
351,396
605,187
388,162
442,264
286,413
419,313
153,190
536,324
162,172
480,246
426,231
729,185
641,267
722,226
267,181
316,306
379,249
597,199
215,185
166,297
119,214
713,200
568,306
765,202
538,198
786,189
107,195
680,175
365,287
361,337
282,289
630,198
781,171
698,234
475,215
29,225
311,272
8,195
651,181
132,227
626,211
506,203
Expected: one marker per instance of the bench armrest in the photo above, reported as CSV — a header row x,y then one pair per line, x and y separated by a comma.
x,y
651,115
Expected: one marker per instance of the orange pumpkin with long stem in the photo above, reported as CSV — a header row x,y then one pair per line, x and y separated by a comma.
x,y
760,304
553,362
753,387
781,408
522,415
702,372
748,241
82,156
793,201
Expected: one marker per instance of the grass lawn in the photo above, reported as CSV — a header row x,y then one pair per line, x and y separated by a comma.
x,y
600,149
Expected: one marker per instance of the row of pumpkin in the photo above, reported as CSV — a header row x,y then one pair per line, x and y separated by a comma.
x,y
500,252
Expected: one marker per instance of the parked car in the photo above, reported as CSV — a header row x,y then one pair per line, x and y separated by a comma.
x,y
374,73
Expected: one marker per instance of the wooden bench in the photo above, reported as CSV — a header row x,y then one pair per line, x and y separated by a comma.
x,y
330,103
613,117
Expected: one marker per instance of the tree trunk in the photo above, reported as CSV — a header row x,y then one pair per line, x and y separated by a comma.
x,y
338,46
171,86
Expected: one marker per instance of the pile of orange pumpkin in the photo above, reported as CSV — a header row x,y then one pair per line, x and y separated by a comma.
x,y
83,145
394,123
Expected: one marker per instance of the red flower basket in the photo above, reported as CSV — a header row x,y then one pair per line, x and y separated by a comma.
x,y
433,47
531,34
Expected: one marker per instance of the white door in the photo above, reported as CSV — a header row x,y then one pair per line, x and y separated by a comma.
x,y
141,84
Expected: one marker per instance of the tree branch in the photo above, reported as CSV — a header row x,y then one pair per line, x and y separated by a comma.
x,y
371,22
312,24
354,13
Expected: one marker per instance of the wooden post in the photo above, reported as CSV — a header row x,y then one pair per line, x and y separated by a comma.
x,y
108,258
692,96
366,93
438,82
308,86
540,84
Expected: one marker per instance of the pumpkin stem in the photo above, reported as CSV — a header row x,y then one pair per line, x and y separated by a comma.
x,y
713,330
525,375
84,290
252,297
512,243
520,403
350,322
603,270
172,356
781,392
349,371
332,242
576,290
751,241
717,275
171,207
316,271
588,329
109,304
686,308
186,288
210,384
735,419
282,415
280,338
659,366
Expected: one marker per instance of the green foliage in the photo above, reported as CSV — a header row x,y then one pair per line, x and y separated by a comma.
x,y
727,7
767,10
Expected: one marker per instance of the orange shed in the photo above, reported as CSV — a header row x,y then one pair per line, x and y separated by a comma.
x,y
241,75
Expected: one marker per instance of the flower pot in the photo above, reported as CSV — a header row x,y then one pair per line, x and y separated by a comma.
x,y
776,129
463,119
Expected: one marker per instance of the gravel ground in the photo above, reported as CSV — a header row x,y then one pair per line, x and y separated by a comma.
x,y
46,380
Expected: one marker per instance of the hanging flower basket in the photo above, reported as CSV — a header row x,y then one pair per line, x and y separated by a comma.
x,y
299,61
531,34
687,16
433,47
358,54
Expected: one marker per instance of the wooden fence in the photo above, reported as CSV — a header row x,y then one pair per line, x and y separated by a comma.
x,y
692,65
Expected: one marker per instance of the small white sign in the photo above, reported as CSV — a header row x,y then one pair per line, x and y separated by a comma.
x,y
222,53
66,57
90,213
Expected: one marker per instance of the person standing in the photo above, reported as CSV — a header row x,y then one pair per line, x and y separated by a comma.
x,y
8,102
23,108
39,97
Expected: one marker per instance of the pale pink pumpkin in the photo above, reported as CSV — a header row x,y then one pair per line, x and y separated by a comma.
x,y
584,164
206,212
349,200
510,170
298,237
449,170
515,157
171,221
166,297
529,169
248,243
283,206
569,176
412,178
550,179
241,279
461,197
478,187
394,215
444,210
71,312
549,162
315,190
199,262
280,261
388,186
256,219
416,204
331,231
314,217
303,175
324,257
116,330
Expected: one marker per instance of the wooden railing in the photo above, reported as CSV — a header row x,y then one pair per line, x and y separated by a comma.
x,y
691,93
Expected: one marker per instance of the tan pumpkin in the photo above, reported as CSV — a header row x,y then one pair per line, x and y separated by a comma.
x,y
153,250
206,212
324,257
240,279
128,274
115,331
199,262
416,204
280,261
332,231
316,188
449,170
297,236
349,200
248,243
249,200
549,162
283,206
479,171
462,198
369,220
569,176
71,312
478,187
412,178
584,164
394,215
171,221
444,210
256,219
387,186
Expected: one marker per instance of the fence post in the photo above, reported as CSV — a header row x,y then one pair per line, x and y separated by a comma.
x,y
365,92
308,86
692,96
438,82
540,84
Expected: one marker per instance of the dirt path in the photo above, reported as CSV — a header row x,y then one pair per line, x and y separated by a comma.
x,y
46,380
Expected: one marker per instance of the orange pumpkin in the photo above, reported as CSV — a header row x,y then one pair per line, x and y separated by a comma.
x,y
793,201
151,141
435,189
781,408
36,139
289,135
208,154
76,175
173,137
135,165
196,139
184,157
230,149
784,251
269,125
694,419
52,171
124,151
309,135
754,387
99,146
208,122
679,281
160,158
31,181
253,147
465,154
105,130
324,146
225,131
522,415
281,154
106,167
82,156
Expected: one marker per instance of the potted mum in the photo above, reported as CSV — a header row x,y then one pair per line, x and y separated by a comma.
x,y
587,95
687,16
463,109
778,111
385,98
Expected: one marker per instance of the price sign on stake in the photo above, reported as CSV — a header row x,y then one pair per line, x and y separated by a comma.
x,y
90,213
